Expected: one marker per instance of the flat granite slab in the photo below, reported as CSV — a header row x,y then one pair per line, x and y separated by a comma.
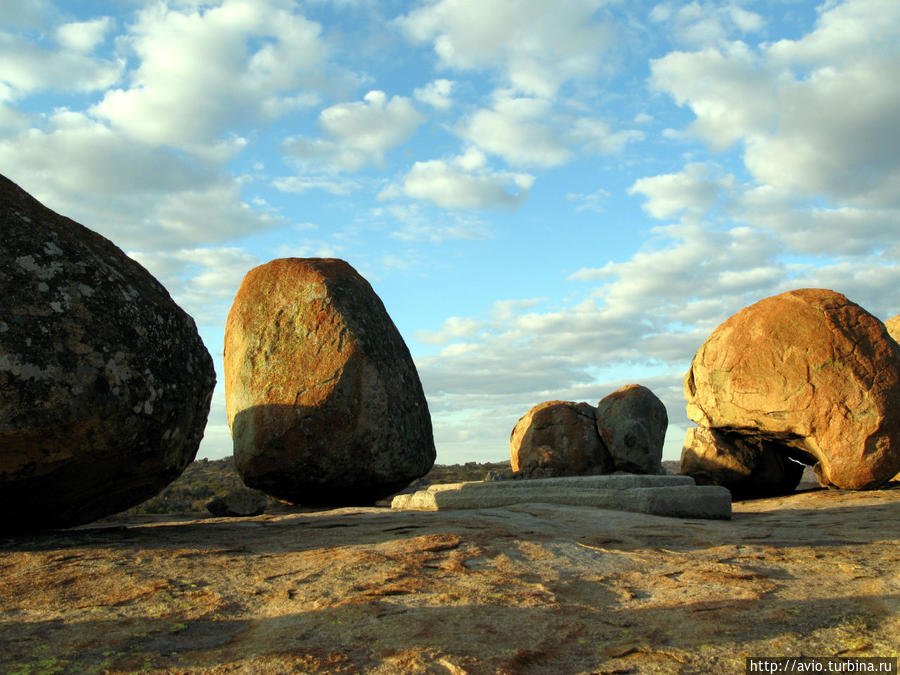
x,y
614,481
675,496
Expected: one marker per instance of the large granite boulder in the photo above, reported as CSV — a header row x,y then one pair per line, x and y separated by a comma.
x,y
632,422
813,375
558,438
105,385
324,401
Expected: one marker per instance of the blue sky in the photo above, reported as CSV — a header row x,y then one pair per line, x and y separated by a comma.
x,y
551,199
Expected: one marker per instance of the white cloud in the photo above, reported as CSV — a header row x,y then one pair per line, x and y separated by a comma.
x,y
436,94
724,89
462,184
527,131
203,281
138,196
516,130
360,132
26,68
692,191
84,36
372,126
703,23
453,327
816,116
536,47
204,71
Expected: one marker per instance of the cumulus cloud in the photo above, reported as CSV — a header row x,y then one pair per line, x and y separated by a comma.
x,y
704,23
463,183
816,115
527,131
536,51
436,94
359,132
692,191
26,68
811,229
138,196
203,281
204,71
84,36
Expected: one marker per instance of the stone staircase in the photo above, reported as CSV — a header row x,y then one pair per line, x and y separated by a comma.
x,y
675,496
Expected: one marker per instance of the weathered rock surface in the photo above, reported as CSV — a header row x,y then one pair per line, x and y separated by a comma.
x,y
105,385
811,373
893,327
748,466
558,438
632,423
239,503
525,589
324,401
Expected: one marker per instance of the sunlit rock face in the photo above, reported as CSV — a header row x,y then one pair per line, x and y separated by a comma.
x,y
324,401
893,327
559,438
105,385
807,374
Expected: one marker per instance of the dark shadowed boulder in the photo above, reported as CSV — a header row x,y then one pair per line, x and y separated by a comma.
x,y
632,422
105,385
324,401
811,374
558,438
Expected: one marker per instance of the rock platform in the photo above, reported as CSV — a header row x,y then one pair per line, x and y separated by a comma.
x,y
526,589
676,496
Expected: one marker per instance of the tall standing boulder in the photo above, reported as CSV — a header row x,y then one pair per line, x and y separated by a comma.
x,y
324,401
632,422
558,438
105,385
809,372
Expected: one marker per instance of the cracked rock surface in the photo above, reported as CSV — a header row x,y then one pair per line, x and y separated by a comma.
x,y
323,398
807,374
105,385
